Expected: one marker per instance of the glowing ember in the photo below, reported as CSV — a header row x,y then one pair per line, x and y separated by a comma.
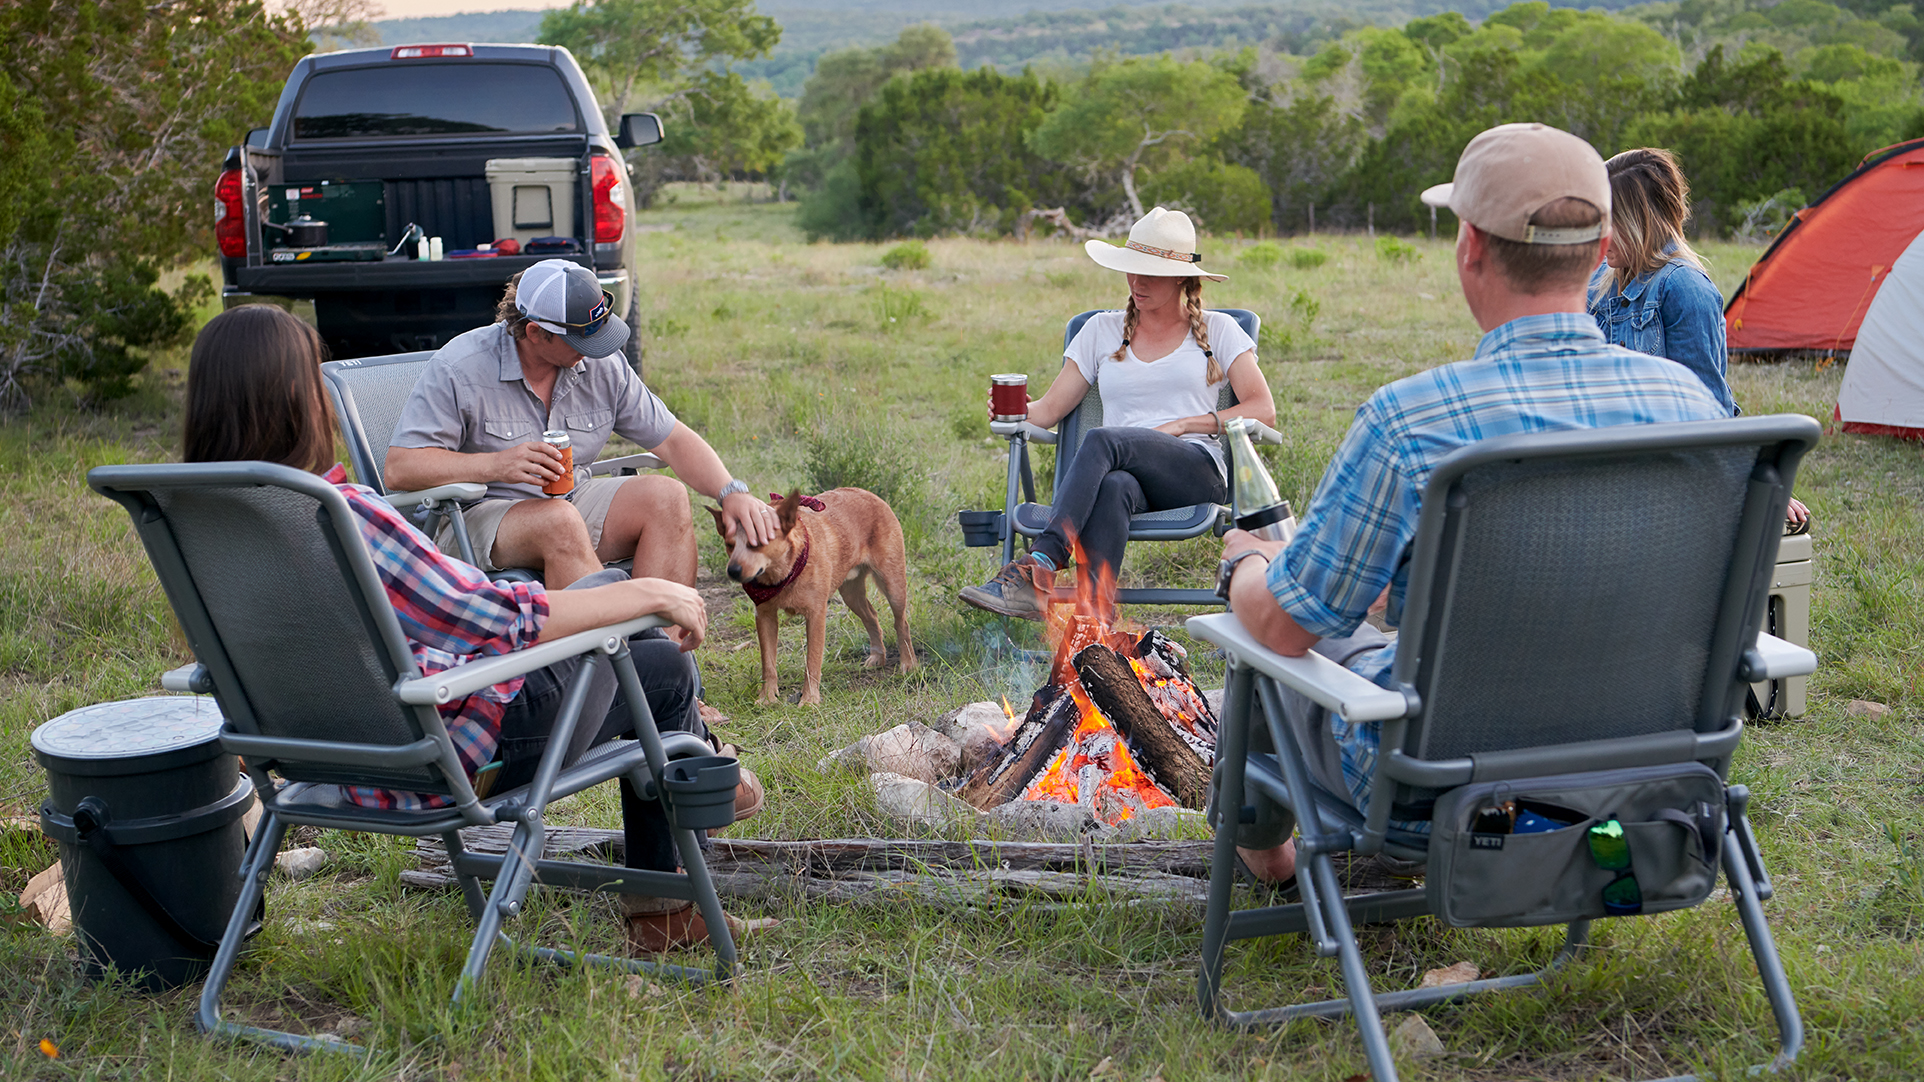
x,y
1095,769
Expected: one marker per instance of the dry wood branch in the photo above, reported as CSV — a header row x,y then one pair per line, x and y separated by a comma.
x,y
878,871
1112,686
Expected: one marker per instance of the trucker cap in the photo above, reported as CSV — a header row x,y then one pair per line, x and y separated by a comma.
x,y
1512,171
566,299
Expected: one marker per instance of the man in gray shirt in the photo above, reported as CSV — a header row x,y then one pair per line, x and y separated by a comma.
x,y
553,362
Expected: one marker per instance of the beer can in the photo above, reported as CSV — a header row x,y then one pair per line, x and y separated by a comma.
x,y
1009,396
561,441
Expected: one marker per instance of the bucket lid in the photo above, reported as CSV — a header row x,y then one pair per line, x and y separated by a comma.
x,y
155,732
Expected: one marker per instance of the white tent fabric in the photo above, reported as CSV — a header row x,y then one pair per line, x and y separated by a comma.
x,y
1884,380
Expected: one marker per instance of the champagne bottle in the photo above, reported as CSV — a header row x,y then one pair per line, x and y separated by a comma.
x,y
1259,508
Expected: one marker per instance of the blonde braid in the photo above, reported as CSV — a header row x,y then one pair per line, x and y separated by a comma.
x,y
1199,326
1129,319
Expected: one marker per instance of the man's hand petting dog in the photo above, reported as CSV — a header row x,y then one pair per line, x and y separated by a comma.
x,y
754,520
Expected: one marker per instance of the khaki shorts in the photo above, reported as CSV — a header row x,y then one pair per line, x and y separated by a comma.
x,y
592,498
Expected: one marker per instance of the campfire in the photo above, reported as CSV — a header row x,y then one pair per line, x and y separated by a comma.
x,y
1120,728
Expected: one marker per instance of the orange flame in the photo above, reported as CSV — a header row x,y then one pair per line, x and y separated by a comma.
x,y
1124,788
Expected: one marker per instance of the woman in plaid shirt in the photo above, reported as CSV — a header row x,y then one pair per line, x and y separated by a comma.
x,y
254,393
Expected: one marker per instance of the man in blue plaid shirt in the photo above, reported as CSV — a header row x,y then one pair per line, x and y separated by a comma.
x,y
1533,204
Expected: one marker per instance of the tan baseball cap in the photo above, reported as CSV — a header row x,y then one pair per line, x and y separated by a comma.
x,y
1512,171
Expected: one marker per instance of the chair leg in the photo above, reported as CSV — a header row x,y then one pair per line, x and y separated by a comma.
x,y
1231,761
510,888
255,866
1763,948
1376,1045
470,885
696,868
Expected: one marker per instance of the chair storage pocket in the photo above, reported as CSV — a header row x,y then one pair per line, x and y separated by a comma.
x,y
1673,820
701,791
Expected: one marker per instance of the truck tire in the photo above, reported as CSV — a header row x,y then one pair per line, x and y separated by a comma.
x,y
634,349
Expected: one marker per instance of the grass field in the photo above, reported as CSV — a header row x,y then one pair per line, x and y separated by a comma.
x,y
812,366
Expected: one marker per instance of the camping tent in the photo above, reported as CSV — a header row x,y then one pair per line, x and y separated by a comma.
x,y
1883,389
1847,274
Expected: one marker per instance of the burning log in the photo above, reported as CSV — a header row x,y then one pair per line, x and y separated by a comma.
x,y
1112,685
1051,717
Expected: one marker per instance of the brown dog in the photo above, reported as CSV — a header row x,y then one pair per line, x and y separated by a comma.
x,y
852,537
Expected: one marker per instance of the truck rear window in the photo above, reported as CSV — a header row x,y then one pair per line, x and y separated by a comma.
x,y
434,99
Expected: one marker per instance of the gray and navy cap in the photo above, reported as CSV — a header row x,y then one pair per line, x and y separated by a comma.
x,y
565,298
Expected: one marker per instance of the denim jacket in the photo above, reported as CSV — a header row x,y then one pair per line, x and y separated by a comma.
x,y
1674,312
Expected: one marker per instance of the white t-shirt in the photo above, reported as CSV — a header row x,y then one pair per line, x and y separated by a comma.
x,y
1136,394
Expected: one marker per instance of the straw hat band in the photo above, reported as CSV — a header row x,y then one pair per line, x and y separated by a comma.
x,y
1165,253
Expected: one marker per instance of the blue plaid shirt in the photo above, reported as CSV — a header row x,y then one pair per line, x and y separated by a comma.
x,y
1542,373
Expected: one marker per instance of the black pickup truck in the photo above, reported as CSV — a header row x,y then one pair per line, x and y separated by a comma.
x,y
376,158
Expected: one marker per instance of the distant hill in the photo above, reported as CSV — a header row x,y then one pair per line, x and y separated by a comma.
x,y
1007,33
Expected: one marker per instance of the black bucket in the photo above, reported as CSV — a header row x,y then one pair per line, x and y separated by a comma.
x,y
701,791
980,529
147,809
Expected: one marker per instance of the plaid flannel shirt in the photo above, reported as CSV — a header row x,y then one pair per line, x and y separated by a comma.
x,y
1543,373
451,613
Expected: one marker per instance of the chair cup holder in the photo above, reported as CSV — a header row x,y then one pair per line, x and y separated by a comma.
x,y
701,791
980,529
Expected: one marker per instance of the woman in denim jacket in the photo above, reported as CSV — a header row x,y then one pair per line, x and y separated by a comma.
x,y
1652,294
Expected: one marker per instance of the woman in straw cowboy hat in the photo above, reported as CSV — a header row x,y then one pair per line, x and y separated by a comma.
x,y
1157,363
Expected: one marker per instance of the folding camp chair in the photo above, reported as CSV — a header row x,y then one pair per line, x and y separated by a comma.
x,y
368,395
1581,626
294,636
1022,516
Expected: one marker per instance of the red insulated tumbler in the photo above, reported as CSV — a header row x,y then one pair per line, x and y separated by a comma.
x,y
1009,396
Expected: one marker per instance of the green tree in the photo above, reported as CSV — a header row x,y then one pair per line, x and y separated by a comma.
x,y
117,114
653,49
1137,113
943,151
1221,197
1301,150
731,127
843,82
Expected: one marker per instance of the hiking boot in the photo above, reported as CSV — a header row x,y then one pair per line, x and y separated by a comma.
x,y
676,929
1020,590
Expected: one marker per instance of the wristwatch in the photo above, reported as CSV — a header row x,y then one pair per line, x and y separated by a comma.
x,y
734,485
1227,570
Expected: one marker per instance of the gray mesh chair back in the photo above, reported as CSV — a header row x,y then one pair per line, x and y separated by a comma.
x,y
1599,584
291,621
368,394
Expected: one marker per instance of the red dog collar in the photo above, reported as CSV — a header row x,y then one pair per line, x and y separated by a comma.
x,y
759,593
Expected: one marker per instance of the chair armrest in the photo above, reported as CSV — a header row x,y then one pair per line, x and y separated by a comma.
x,y
192,678
1316,676
609,467
1023,428
1262,433
1773,659
465,491
464,680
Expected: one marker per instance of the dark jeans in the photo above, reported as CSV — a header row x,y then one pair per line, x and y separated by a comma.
x,y
1119,472
671,685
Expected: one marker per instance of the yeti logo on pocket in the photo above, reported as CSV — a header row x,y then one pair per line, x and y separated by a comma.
x,y
1486,841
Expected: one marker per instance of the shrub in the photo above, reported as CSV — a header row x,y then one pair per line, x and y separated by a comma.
x,y
1262,256
868,453
895,307
1307,258
1285,334
1396,250
1224,198
666,327
908,255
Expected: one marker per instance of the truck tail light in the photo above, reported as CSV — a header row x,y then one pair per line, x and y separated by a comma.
x,y
417,52
610,217
230,217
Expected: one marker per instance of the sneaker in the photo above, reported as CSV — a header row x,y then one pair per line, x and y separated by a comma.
x,y
1020,590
